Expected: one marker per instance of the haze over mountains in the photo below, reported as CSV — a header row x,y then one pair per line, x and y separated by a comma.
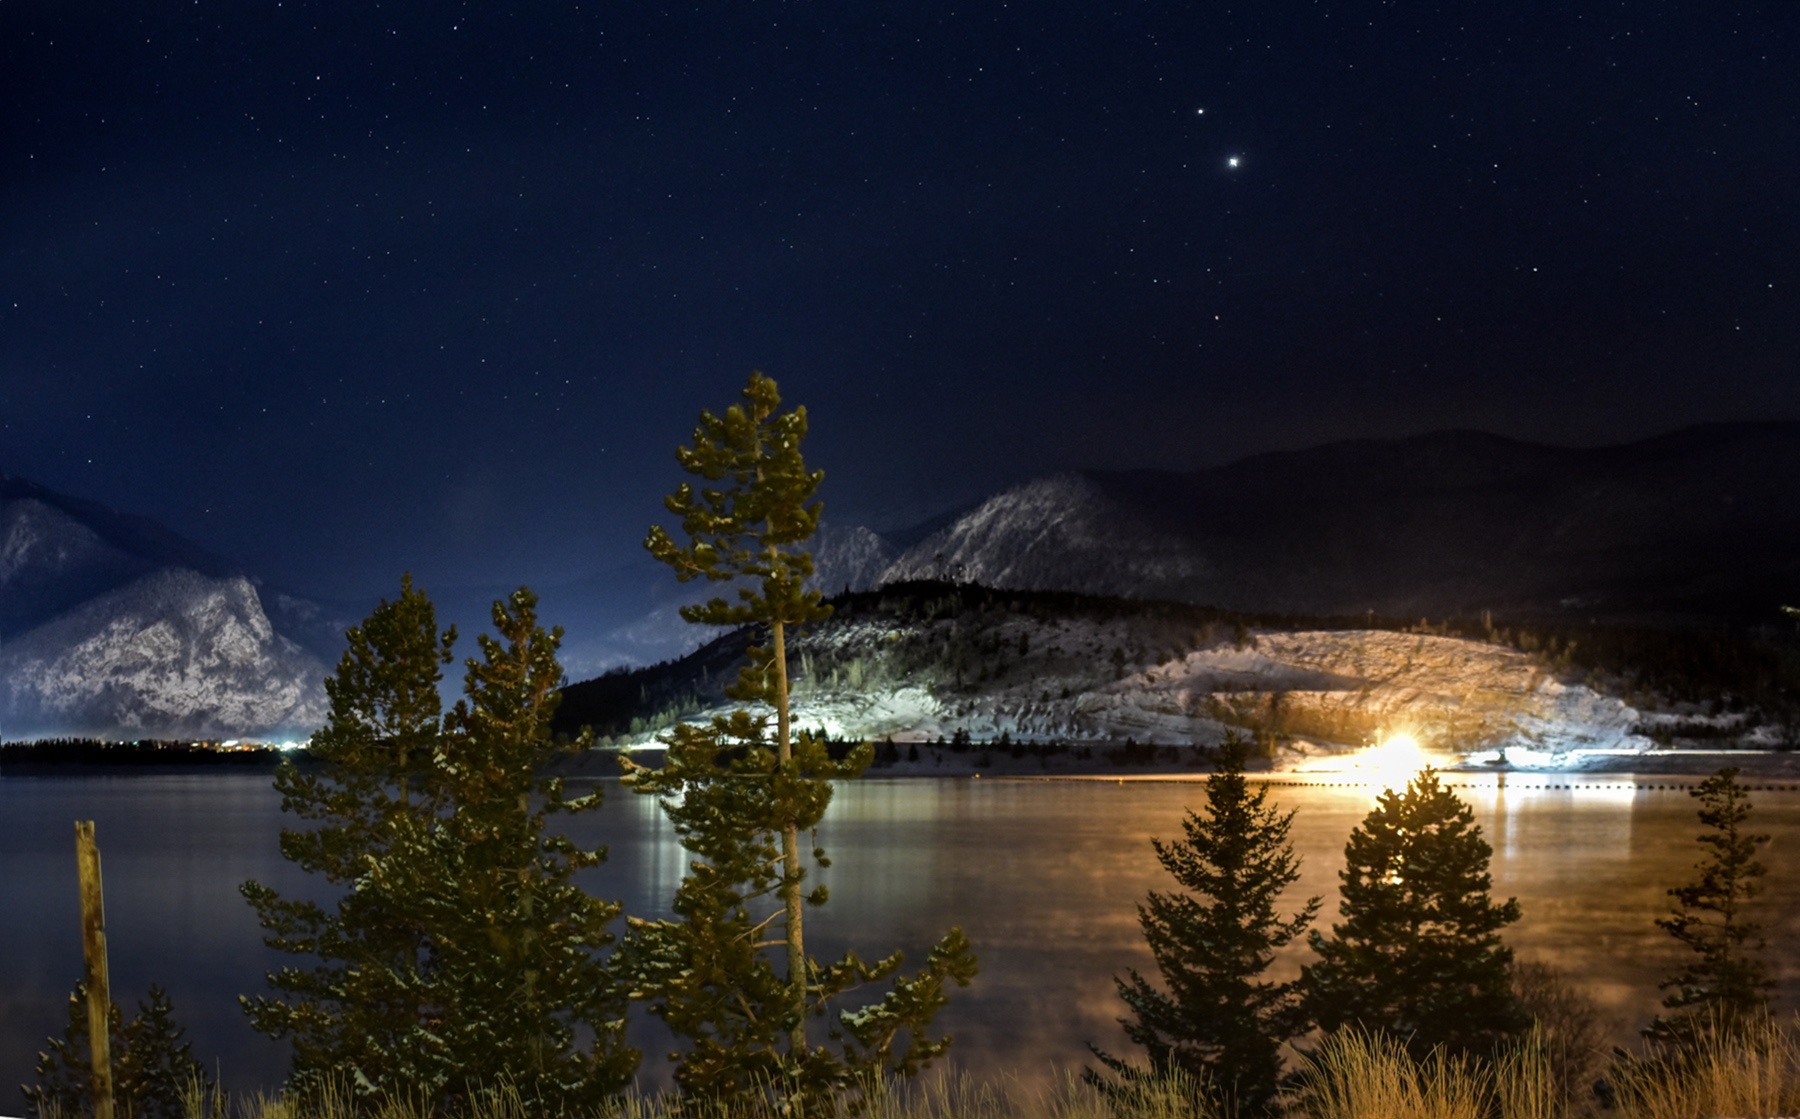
x,y
113,625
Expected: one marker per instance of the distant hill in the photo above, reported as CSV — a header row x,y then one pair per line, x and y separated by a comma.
x,y
1699,525
112,625
934,661
1664,561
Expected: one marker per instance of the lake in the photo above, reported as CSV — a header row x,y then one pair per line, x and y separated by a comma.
x,y
1043,875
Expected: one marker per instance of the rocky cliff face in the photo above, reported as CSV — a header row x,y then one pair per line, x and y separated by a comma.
x,y
848,559
175,654
49,562
1047,668
104,632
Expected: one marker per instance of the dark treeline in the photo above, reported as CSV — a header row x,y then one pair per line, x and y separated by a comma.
x,y
66,753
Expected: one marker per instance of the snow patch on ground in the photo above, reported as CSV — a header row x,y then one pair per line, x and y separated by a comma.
x,y
1097,682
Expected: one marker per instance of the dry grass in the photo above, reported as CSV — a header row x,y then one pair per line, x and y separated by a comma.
x,y
942,1097
1357,1075
1748,1073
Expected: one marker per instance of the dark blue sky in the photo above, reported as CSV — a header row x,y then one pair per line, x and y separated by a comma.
x,y
345,289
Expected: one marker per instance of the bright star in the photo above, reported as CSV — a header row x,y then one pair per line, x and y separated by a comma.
x,y
1234,161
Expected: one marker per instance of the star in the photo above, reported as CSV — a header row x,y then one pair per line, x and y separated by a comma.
x,y
1234,162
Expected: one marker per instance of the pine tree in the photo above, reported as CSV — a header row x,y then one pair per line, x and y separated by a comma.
x,y
460,954
65,1078
1726,986
365,1009
1219,1021
157,1069
534,1004
1418,953
739,797
748,532
154,1066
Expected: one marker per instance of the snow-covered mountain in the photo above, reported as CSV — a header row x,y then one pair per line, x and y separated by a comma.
x,y
112,626
174,654
1061,533
1701,523
57,551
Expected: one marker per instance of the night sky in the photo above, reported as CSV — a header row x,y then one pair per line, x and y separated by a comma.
x,y
341,289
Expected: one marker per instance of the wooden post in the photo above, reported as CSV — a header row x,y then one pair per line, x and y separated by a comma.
x,y
93,951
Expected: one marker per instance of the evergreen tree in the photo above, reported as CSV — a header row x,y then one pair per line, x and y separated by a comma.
x,y
366,1008
1219,1021
1418,953
739,797
65,1076
749,531
1727,984
460,954
154,1066
534,1005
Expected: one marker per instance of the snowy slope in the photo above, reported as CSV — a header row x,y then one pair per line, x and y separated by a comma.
x,y
175,654
1054,533
1083,675
49,561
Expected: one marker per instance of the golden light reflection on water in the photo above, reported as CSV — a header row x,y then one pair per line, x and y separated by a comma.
x,y
1044,875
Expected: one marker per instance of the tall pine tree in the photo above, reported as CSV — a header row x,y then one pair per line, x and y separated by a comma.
x,y
746,526
1418,954
1727,984
459,954
741,791
1218,1019
366,1008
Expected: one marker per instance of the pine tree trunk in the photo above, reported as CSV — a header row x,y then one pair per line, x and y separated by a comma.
x,y
790,854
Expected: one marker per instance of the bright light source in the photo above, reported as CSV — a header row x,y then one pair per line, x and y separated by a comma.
x,y
1396,758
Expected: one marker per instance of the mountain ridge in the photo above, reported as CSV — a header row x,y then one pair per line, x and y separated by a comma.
x,y
1441,523
114,625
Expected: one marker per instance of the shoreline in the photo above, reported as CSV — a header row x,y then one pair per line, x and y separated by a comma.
x,y
1782,766
999,763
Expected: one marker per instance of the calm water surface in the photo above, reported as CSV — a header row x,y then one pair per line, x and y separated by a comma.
x,y
1044,876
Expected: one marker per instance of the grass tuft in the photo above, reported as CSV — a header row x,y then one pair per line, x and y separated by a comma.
x,y
1748,1072
1751,1071
1360,1075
